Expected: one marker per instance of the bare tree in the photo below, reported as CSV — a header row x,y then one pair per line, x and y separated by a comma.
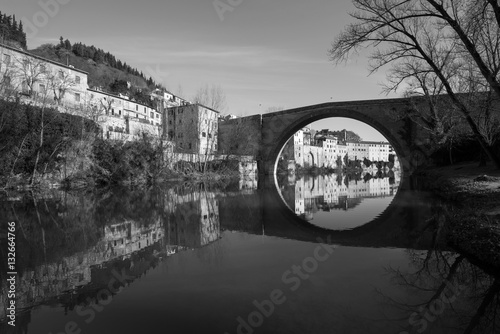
x,y
8,86
60,83
28,71
41,100
105,105
415,37
211,96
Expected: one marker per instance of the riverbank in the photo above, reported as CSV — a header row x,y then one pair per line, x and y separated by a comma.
x,y
474,221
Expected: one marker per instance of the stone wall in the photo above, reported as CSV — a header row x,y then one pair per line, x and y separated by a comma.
x,y
240,136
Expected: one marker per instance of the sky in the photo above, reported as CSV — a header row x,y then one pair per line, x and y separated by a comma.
x,y
263,53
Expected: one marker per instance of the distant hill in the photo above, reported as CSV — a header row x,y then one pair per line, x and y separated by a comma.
x,y
105,70
11,31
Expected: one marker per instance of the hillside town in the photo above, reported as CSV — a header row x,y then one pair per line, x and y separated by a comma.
x,y
190,129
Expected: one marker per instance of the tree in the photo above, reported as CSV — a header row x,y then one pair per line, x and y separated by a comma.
x,y
346,135
67,45
60,83
28,71
211,96
119,86
418,37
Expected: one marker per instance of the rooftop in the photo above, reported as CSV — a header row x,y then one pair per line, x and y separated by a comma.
x,y
70,67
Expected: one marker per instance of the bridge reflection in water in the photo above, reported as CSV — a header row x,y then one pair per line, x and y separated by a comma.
x,y
337,201
71,245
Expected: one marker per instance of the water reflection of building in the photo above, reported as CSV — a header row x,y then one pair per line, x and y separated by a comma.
x,y
194,219
49,280
248,184
183,221
333,191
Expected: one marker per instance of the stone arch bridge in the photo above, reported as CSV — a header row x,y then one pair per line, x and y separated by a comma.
x,y
266,135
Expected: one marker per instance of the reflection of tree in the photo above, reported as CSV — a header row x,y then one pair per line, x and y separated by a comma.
x,y
450,292
68,245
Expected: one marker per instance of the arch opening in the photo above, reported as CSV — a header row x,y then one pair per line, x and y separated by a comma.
x,y
298,118
338,180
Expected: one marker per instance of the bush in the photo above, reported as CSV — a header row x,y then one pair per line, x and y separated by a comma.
x,y
117,162
20,129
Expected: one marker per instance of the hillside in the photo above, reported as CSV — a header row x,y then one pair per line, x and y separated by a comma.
x,y
11,31
104,70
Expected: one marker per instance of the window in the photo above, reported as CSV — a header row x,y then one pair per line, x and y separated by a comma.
x,y
209,135
61,75
43,69
136,107
204,134
119,112
77,79
6,59
42,88
152,115
189,145
77,97
112,111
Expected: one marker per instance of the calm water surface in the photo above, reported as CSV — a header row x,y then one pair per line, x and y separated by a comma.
x,y
325,254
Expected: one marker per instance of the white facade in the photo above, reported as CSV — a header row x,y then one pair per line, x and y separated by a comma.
x,y
38,80
325,150
373,151
193,129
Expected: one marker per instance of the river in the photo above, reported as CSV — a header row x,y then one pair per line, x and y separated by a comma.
x,y
315,254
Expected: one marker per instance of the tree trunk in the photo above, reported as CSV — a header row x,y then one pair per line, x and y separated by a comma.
x,y
40,144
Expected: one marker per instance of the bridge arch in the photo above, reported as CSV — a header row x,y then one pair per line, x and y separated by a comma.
x,y
407,141
382,231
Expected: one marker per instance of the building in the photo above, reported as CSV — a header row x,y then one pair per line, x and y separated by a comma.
x,y
294,149
323,149
193,129
34,78
371,150
328,141
121,118
38,80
